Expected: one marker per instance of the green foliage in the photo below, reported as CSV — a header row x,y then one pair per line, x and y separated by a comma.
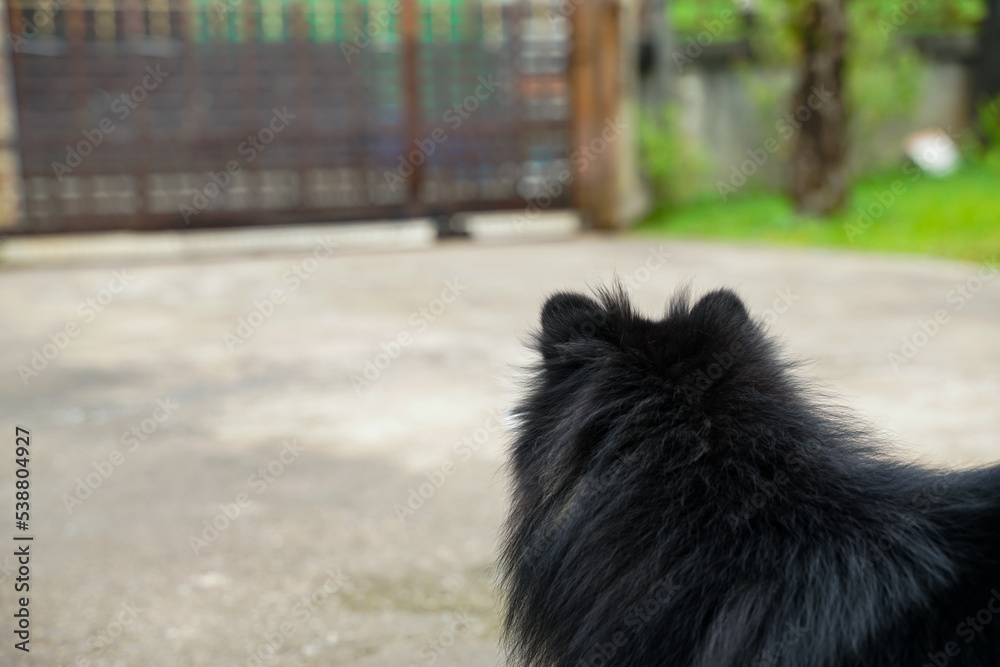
x,y
901,210
690,17
677,169
929,16
883,77
944,16
883,72
989,128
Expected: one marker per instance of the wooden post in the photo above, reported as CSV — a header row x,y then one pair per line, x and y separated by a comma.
x,y
583,97
595,84
609,95
11,185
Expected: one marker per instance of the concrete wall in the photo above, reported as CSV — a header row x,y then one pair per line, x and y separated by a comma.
x,y
632,198
721,109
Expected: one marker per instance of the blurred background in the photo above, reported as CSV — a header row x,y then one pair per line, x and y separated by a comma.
x,y
165,115
267,269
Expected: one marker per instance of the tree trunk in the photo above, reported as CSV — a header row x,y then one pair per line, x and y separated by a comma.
x,y
819,157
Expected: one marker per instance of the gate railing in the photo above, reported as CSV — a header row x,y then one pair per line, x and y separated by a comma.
x,y
146,114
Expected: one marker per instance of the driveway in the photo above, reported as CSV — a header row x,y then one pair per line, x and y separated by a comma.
x,y
274,460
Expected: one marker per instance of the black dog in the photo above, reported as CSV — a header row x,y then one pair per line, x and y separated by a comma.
x,y
681,500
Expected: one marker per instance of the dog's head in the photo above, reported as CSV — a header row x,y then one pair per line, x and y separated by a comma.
x,y
692,348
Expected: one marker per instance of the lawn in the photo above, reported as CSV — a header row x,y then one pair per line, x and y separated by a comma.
x,y
900,211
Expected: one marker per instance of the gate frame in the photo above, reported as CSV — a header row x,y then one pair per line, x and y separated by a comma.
x,y
593,79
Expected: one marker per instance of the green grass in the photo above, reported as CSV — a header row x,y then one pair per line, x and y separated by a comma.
x,y
956,216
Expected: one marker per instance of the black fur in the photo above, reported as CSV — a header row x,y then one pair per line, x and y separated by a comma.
x,y
679,499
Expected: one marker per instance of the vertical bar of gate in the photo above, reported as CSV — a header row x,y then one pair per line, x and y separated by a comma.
x,y
194,107
304,148
357,144
135,19
515,67
251,105
79,67
411,92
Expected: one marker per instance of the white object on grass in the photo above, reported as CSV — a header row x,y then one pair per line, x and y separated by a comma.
x,y
933,151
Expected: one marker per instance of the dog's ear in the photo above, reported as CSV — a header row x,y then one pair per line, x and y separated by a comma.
x,y
721,308
567,316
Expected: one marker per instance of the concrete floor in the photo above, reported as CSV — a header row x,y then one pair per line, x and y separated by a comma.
x,y
163,414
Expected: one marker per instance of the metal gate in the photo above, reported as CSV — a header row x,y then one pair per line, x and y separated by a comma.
x,y
151,114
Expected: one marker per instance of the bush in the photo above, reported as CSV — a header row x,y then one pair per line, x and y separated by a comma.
x,y
676,168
